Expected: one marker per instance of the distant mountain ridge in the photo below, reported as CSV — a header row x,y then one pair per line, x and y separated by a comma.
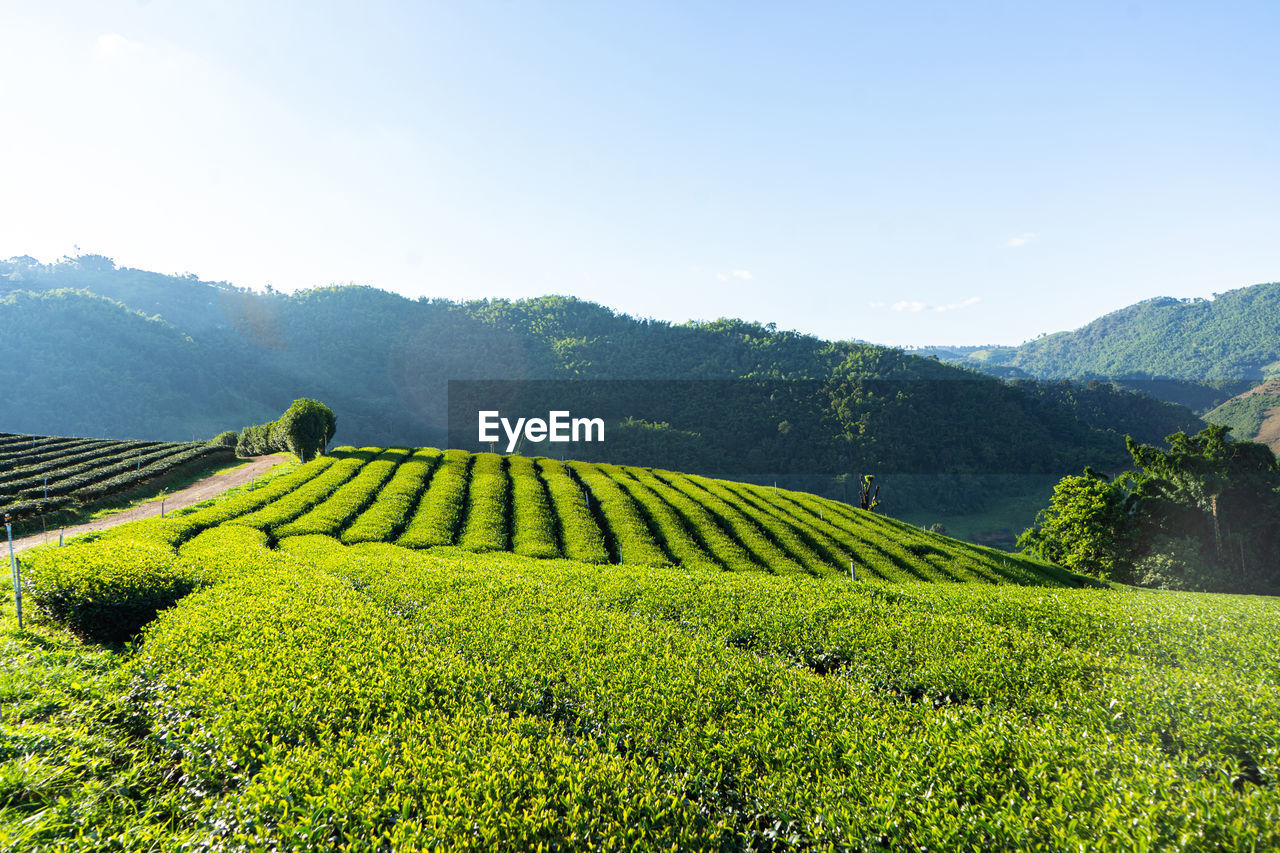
x,y
90,349
1233,338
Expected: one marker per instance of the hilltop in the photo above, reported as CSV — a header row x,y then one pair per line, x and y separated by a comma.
x,y
92,349
1195,351
593,513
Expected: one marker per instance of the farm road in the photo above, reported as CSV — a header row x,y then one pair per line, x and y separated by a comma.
x,y
200,491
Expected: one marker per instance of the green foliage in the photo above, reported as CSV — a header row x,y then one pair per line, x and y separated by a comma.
x,y
1245,415
338,510
54,473
533,522
583,539
1085,528
1202,514
278,514
448,700
103,594
228,438
439,512
258,440
488,506
624,522
1231,337
305,429
183,525
386,518
322,696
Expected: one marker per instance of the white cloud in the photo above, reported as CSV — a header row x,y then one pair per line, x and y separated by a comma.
x,y
1022,240
955,306
113,44
722,276
916,307
744,274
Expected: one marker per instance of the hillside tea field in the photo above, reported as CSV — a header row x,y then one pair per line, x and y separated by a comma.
x,y
41,474
594,513
388,649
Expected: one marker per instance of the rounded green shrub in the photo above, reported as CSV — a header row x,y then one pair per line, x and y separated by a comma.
x,y
106,591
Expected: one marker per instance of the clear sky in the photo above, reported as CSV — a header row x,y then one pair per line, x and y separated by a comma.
x,y
906,173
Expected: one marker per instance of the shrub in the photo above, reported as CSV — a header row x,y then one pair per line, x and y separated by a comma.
x,y
106,591
228,438
257,440
305,429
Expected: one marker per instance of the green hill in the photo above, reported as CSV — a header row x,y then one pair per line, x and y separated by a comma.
x,y
1194,351
91,349
1253,415
594,513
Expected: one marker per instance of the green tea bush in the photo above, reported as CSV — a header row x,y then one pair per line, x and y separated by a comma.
x,y
677,538
30,477
221,510
321,696
583,539
720,543
107,592
533,523
23,466
385,519
789,538
744,529
436,520
487,505
335,511
227,438
290,505
635,541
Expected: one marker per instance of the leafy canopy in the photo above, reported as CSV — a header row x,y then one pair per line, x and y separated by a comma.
x,y
305,429
1202,514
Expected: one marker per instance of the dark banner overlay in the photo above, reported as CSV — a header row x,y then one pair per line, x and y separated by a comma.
x,y
752,429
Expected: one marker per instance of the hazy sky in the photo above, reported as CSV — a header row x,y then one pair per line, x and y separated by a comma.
x,y
907,173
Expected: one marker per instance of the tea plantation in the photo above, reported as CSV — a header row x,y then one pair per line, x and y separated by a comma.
x,y
392,649
41,474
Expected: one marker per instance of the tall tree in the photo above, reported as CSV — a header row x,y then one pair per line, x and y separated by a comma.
x,y
1203,513
305,428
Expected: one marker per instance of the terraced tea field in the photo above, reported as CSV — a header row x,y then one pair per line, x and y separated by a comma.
x,y
597,513
41,474
392,649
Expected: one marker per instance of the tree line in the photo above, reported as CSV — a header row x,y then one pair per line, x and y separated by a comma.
x,y
1201,513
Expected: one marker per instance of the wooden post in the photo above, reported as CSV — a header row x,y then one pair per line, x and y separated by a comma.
x,y
13,566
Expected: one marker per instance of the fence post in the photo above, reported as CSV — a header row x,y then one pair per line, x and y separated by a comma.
x,y
13,566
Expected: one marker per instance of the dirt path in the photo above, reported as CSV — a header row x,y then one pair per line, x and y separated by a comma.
x,y
193,494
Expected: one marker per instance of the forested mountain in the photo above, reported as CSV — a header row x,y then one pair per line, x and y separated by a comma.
x,y
1212,349
1253,415
90,349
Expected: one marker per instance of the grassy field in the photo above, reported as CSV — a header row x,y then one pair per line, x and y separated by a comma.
x,y
705,676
